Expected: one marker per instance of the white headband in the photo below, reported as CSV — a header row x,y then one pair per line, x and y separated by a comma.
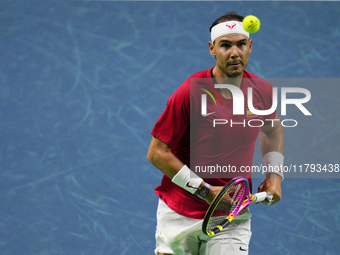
x,y
229,27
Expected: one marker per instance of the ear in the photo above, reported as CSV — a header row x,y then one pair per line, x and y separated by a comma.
x,y
250,45
212,48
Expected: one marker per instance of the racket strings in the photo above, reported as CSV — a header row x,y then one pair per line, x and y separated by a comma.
x,y
228,203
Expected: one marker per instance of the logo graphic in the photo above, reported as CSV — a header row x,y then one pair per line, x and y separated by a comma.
x,y
204,101
251,110
190,186
215,92
242,248
231,27
250,113
238,100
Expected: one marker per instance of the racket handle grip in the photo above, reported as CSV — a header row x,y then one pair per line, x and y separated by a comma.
x,y
259,197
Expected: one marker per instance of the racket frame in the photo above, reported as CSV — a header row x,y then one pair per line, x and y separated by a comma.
x,y
239,207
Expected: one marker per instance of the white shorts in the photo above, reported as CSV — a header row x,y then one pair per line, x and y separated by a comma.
x,y
179,235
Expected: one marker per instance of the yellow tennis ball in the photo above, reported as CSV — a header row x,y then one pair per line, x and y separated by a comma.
x,y
251,24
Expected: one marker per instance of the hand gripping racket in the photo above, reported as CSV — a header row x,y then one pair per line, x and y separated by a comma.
x,y
229,202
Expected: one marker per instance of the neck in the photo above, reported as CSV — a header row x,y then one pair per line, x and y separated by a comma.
x,y
221,78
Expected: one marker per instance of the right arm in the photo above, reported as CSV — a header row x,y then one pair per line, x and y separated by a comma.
x,y
160,156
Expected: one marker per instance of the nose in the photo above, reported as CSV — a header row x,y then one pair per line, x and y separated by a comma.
x,y
234,52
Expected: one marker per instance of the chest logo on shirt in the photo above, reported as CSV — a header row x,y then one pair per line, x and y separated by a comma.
x,y
250,114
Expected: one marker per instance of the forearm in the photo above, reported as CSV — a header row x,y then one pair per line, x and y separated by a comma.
x,y
165,161
271,145
272,141
160,156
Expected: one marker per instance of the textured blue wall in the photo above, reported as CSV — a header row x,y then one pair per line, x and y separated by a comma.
x,y
83,82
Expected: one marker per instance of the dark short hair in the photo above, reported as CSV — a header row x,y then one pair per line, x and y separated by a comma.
x,y
226,17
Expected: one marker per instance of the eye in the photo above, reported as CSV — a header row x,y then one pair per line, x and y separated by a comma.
x,y
225,45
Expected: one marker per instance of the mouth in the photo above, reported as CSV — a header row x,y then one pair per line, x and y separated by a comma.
x,y
234,64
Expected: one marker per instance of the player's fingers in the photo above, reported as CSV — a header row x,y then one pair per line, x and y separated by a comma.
x,y
260,188
267,201
275,199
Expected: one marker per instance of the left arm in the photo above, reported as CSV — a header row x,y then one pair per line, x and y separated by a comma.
x,y
272,139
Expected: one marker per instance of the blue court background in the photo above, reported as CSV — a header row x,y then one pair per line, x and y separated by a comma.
x,y
83,82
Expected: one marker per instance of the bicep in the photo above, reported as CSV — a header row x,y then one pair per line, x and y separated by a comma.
x,y
275,124
272,137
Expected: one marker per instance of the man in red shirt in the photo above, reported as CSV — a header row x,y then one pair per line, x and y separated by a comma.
x,y
186,137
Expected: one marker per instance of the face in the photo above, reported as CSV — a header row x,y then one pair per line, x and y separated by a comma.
x,y
232,54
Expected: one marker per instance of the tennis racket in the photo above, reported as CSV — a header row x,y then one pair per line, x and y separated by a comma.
x,y
229,202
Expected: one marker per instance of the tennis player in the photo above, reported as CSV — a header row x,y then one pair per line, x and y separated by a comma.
x,y
183,131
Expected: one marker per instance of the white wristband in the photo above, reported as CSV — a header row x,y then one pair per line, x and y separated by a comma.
x,y
187,179
274,162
